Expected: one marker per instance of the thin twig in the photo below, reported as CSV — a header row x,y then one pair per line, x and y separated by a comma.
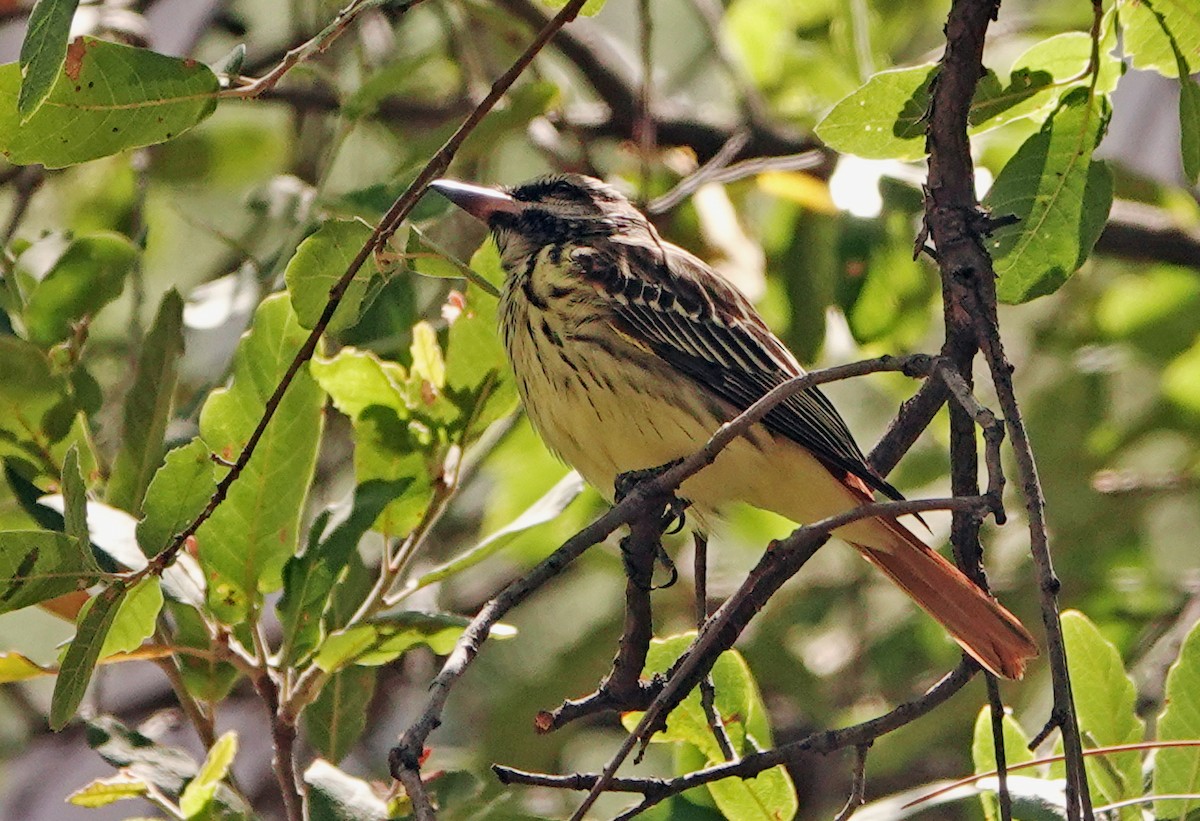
x,y
708,693
858,784
655,790
322,41
622,688
684,675
996,705
645,125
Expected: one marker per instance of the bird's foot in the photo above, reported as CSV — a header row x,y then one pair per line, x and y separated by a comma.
x,y
624,484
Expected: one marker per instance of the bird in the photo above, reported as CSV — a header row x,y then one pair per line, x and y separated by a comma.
x,y
629,352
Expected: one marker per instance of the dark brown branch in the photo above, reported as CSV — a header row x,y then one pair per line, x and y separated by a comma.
x,y
655,790
955,223
622,688
708,693
405,757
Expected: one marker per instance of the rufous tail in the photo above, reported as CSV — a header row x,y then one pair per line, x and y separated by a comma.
x,y
990,634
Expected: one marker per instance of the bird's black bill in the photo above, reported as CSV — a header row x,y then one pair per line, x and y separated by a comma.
x,y
476,200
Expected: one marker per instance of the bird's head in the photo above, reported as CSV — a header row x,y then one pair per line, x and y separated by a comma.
x,y
548,211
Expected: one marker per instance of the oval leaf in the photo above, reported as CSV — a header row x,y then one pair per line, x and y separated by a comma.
x,y
108,98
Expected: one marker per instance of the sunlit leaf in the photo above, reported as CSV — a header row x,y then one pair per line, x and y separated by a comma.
x,y
105,791
320,262
108,98
1177,770
248,538
1154,32
983,750
1060,196
770,795
371,391
198,795
135,620
1105,702
887,117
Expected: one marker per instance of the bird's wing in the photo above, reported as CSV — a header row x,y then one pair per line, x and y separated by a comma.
x,y
688,315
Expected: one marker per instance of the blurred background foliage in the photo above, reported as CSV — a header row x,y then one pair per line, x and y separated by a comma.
x,y
1108,367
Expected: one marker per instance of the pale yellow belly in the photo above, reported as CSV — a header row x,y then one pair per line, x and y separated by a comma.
x,y
606,421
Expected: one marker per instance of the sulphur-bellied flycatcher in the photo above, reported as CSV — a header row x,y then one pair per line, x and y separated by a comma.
x,y
629,352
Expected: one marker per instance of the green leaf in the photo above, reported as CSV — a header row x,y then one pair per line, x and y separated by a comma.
x,y
769,796
335,796
205,678
336,720
545,509
429,259
43,51
136,618
175,496
309,578
1189,124
355,380
370,391
36,565
83,652
478,378
108,98
886,117
105,791
33,400
148,408
198,796
983,750
75,501
1154,31
1060,196
385,639
320,262
1177,770
427,356
245,543
1105,702
90,274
